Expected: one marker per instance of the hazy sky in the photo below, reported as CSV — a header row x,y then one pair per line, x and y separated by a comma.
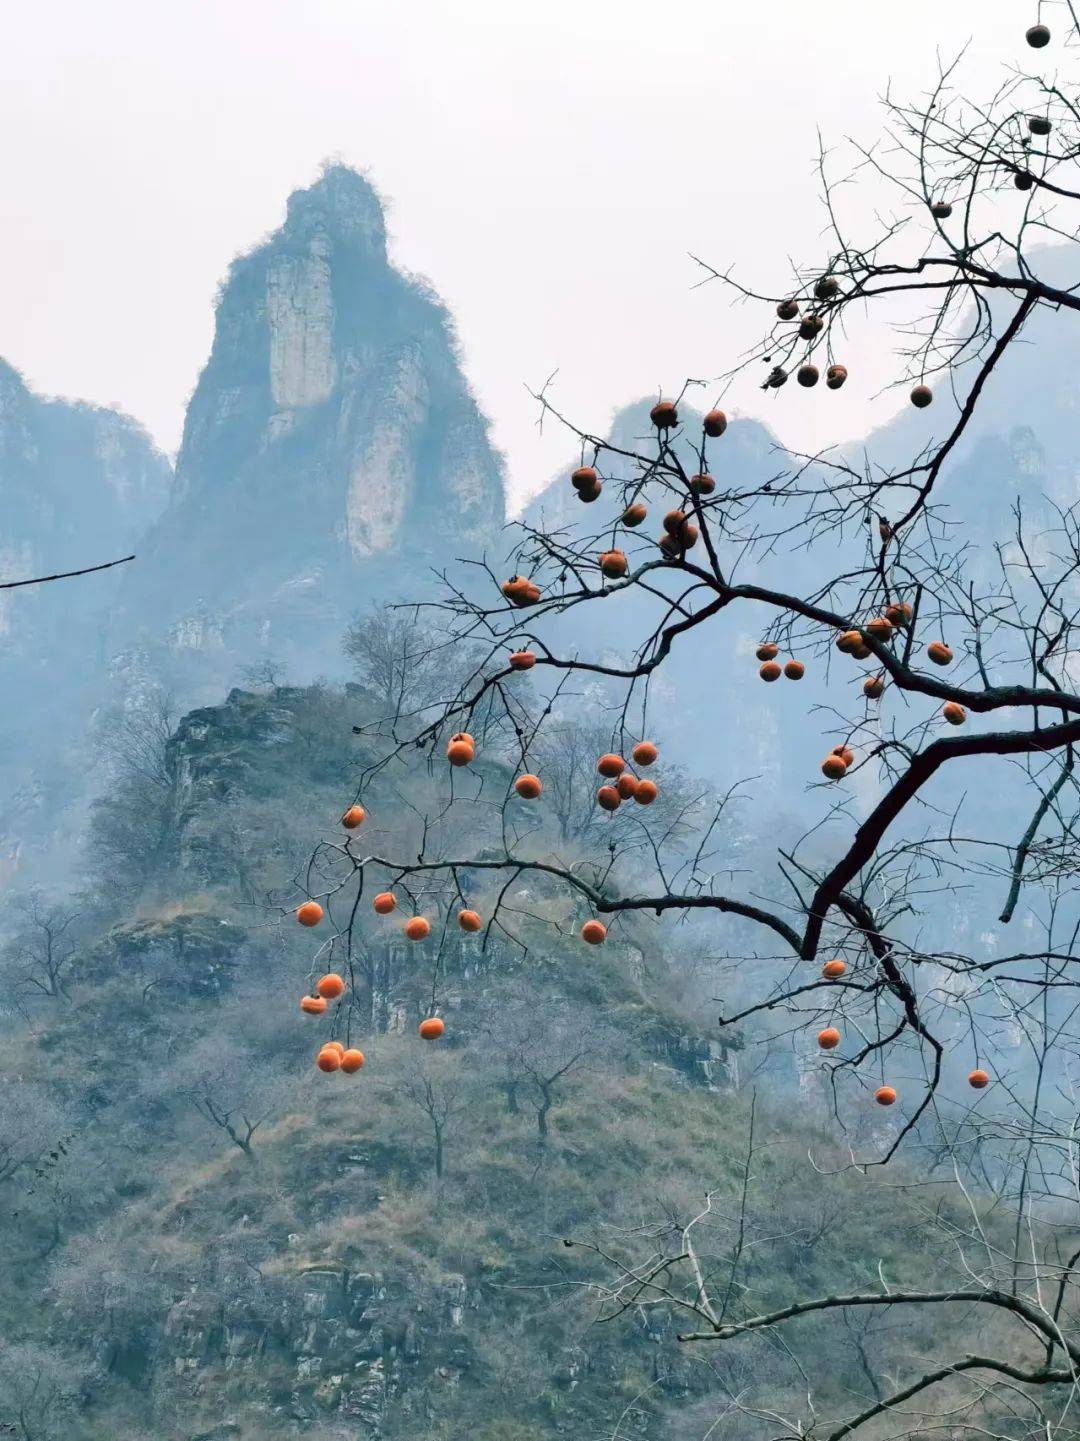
x,y
548,168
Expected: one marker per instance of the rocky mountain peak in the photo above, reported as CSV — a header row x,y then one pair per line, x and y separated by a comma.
x,y
332,439
341,202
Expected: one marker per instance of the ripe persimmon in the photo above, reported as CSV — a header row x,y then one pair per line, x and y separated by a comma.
x,y
940,209
849,641
767,651
334,1046
833,768
312,1005
833,970
770,671
846,754
978,1080
714,424
585,475
515,588
664,415
594,932
674,521
330,986
827,287
310,913
384,902
794,669
702,484
1039,125
328,1060
1038,36
898,614
939,652
351,1061
873,687
880,627
921,397
835,376
417,928
788,309
469,921
353,817
645,792
609,798
432,1028
522,660
589,493
808,375
810,327
644,753
885,1095
528,787
521,591
627,785
610,765
613,564
829,1038
674,545
955,714
460,753
634,514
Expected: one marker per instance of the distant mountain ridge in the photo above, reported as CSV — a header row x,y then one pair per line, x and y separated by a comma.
x,y
79,484
333,456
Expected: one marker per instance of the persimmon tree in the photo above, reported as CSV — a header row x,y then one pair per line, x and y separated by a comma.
x,y
968,662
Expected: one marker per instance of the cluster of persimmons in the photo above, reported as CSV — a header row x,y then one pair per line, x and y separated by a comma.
x,y
883,629
461,751
620,782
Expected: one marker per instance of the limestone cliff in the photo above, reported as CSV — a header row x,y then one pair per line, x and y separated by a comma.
x,y
332,452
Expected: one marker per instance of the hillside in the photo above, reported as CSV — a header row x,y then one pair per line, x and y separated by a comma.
x,y
318,1278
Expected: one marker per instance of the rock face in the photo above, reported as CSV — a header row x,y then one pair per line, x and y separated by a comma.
x,y
332,452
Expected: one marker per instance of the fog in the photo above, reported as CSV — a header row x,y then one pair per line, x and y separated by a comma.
x,y
550,171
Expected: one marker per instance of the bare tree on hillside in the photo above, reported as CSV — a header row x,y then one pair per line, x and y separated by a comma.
x,y
402,662
439,1099
32,1124
39,956
229,1087
38,1390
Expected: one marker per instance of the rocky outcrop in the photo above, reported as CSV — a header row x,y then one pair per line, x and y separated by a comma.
x,y
332,451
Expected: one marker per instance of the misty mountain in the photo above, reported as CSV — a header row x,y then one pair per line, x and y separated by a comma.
x,y
79,485
332,453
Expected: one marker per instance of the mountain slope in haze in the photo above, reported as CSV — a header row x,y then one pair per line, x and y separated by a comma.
x,y
79,484
332,453
341,1272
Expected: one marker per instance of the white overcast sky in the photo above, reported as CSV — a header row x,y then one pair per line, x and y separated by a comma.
x,y
548,167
